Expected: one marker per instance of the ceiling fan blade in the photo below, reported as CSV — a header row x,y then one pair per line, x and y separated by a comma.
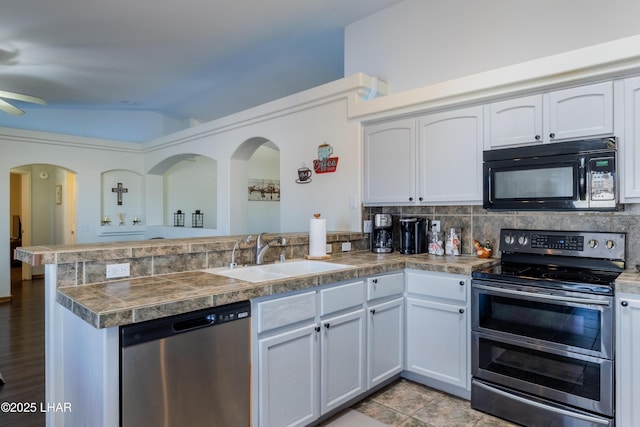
x,y
8,108
21,97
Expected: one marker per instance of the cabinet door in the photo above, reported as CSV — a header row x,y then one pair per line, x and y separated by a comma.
x,y
437,341
288,370
450,157
342,361
579,112
389,162
385,352
627,356
629,152
515,122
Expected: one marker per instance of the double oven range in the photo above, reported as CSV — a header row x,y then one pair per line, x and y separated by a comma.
x,y
543,328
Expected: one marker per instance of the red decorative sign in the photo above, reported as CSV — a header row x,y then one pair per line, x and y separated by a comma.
x,y
325,166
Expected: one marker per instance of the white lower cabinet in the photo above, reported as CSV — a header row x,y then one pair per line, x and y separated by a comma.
x,y
310,354
385,327
438,330
288,377
342,361
627,356
385,341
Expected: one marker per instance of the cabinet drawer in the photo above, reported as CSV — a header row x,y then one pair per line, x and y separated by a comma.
x,y
341,297
384,286
286,310
445,286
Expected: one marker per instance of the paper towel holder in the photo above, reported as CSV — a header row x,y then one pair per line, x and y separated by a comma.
x,y
317,257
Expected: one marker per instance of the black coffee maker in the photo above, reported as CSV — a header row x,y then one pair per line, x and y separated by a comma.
x,y
382,234
413,235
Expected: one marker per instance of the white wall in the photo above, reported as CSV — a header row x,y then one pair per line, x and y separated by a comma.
x,y
296,125
418,42
86,157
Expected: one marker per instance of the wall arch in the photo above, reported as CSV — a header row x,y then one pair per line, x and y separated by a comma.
x,y
256,162
186,182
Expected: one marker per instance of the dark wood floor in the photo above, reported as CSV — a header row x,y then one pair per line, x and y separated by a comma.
x,y
22,351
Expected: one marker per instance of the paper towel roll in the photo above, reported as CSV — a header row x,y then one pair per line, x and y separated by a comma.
x,y
317,237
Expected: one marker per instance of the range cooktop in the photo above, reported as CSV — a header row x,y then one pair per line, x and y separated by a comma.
x,y
576,261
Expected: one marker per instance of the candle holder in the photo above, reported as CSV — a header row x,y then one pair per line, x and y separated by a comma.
x,y
105,221
178,219
136,220
197,219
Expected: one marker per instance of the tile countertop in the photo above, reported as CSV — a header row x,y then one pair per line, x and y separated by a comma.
x,y
122,302
628,282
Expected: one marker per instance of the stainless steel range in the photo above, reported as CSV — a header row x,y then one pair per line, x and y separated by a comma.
x,y
543,328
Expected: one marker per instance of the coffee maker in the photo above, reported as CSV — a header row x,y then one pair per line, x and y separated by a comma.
x,y
382,234
413,235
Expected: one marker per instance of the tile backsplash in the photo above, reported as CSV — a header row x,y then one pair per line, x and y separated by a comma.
x,y
480,224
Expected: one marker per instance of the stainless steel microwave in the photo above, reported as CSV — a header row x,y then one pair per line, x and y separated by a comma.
x,y
574,175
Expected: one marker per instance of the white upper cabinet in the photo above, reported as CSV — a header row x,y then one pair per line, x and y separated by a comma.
x,y
577,112
389,162
515,121
432,159
450,157
629,150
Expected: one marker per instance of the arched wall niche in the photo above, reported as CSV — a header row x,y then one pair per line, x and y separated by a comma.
x,y
254,187
186,182
122,197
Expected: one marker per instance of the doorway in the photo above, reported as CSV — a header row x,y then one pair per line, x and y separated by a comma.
x,y
42,209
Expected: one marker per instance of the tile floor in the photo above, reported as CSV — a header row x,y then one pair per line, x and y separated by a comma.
x,y
407,404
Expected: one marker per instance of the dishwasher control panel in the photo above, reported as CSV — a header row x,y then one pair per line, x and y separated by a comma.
x,y
138,333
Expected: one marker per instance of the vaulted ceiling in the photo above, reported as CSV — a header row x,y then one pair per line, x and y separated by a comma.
x,y
198,59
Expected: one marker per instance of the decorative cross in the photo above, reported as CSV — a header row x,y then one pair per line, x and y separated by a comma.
x,y
119,189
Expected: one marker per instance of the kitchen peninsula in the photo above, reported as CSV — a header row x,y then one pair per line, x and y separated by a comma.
x,y
84,310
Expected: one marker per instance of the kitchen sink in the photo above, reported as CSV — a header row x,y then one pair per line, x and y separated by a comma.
x,y
261,273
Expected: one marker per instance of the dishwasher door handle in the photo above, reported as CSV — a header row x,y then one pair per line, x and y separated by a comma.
x,y
199,322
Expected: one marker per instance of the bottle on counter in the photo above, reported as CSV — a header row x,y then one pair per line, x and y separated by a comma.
x,y
452,246
435,243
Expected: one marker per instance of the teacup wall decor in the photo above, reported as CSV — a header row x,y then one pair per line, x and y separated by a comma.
x,y
325,163
304,175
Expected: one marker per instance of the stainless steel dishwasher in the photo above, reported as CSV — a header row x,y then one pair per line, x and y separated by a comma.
x,y
188,370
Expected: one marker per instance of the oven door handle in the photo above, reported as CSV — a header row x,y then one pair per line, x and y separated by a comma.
x,y
543,296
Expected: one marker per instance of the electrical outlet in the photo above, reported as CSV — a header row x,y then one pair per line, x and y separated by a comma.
x,y
366,226
118,270
346,246
435,225
329,248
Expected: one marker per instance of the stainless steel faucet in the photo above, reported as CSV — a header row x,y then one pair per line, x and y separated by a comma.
x,y
233,264
261,249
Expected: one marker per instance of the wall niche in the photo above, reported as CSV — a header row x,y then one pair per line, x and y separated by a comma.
x,y
185,182
122,195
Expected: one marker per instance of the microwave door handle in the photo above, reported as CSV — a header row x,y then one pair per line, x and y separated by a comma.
x,y
582,180
490,184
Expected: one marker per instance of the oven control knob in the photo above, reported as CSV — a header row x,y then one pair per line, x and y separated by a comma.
x,y
522,240
611,244
509,239
593,243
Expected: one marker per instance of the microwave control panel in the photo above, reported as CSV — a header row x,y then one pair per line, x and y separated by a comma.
x,y
602,178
